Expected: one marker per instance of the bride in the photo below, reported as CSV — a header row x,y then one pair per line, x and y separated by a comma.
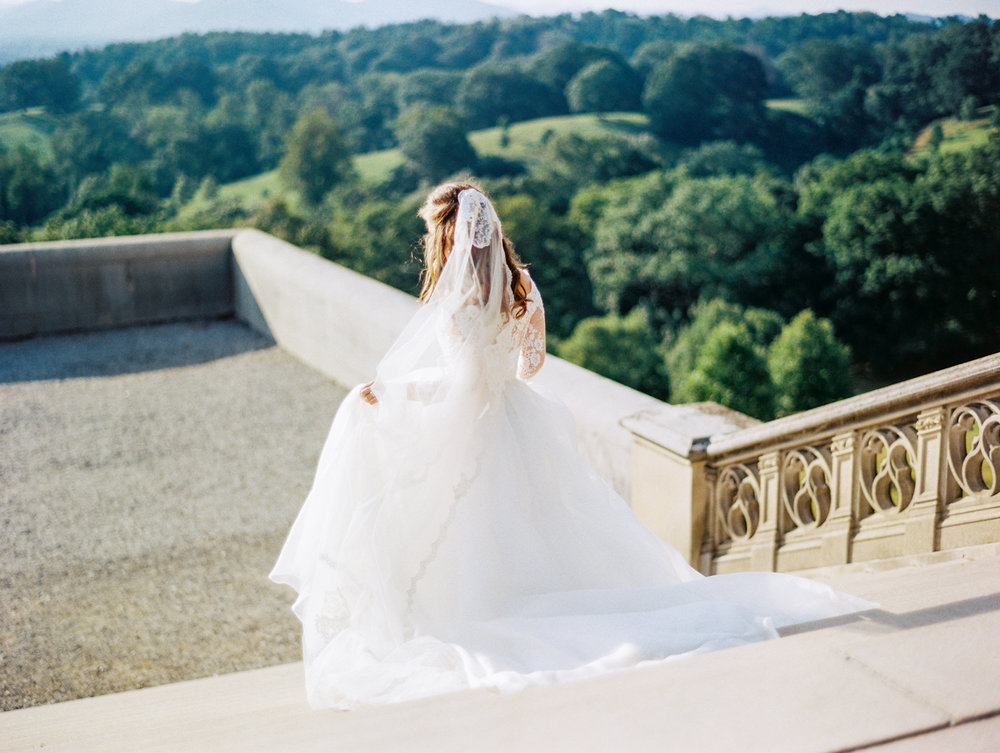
x,y
454,536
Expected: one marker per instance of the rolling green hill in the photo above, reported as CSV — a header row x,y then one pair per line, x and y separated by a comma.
x,y
524,142
30,128
959,135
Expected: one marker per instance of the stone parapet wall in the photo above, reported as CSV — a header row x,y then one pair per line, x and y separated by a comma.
x,y
332,318
72,286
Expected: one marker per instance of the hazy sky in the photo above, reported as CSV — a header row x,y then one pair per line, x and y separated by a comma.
x,y
742,7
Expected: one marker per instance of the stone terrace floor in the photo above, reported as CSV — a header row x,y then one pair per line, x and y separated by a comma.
x,y
918,675
148,477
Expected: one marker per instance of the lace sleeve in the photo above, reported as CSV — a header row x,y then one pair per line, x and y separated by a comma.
x,y
532,354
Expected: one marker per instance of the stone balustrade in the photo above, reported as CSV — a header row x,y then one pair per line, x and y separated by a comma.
x,y
908,469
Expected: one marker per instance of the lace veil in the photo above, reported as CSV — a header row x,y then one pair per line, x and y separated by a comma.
x,y
437,362
433,390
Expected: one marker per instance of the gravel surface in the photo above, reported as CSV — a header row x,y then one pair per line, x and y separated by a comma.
x,y
148,477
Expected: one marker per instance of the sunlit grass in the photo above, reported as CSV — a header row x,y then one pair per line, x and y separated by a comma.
x,y
526,139
959,135
376,167
798,106
30,128
255,187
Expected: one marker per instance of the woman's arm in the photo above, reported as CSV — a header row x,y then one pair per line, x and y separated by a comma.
x,y
532,354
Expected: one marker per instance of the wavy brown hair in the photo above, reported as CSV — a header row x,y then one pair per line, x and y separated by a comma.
x,y
439,212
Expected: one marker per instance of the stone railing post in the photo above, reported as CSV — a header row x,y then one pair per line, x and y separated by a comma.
x,y
764,543
669,496
838,529
925,510
670,491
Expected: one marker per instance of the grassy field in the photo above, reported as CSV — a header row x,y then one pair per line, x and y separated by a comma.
x,y
798,106
248,193
959,135
30,128
524,140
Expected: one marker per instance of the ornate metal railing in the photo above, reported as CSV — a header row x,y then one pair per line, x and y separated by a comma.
x,y
909,469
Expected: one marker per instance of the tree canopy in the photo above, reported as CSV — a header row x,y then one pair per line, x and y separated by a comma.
x,y
316,156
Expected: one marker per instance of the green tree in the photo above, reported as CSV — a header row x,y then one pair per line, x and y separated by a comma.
x,y
274,216
376,236
569,161
912,255
682,350
129,187
265,112
429,86
817,69
651,54
620,348
557,65
29,188
706,92
138,83
553,248
967,110
96,223
808,365
670,240
316,156
493,91
604,86
730,370
958,201
194,75
45,83
9,232
433,140
408,53
936,137
89,142
723,158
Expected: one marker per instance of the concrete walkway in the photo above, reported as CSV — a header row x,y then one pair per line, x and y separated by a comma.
x,y
920,674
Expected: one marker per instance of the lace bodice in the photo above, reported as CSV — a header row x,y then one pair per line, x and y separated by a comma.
x,y
516,348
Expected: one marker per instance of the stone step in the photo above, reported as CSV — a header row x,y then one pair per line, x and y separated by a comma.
x,y
922,673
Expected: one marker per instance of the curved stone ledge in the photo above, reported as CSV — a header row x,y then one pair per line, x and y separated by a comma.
x,y
884,404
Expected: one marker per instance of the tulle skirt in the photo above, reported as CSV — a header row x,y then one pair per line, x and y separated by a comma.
x,y
442,552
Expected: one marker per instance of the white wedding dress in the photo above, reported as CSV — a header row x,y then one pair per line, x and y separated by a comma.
x,y
456,538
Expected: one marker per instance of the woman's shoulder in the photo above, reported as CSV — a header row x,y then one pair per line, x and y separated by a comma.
x,y
531,293
525,278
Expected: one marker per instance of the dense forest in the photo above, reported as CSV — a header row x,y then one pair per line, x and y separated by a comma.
x,y
772,214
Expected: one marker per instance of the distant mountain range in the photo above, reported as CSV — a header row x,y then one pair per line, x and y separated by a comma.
x,y
42,27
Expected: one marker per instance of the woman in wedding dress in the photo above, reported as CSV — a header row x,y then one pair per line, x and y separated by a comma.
x,y
455,537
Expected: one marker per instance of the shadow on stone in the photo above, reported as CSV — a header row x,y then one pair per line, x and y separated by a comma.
x,y
880,620
127,350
